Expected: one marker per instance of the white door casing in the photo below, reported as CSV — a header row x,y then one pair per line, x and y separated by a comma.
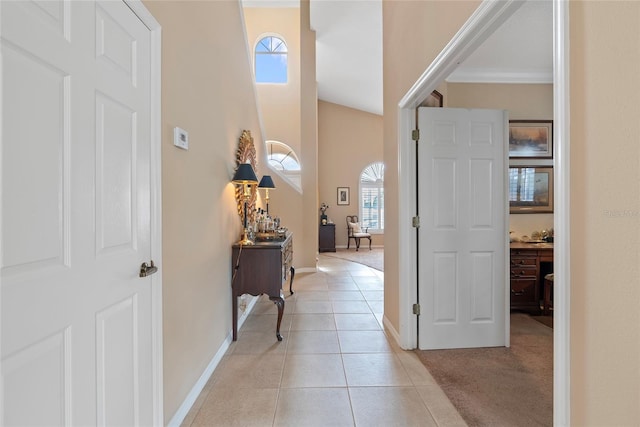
x,y
462,201
481,24
78,323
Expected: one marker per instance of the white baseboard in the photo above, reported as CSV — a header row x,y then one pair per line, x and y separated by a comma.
x,y
392,331
184,409
353,246
197,388
306,270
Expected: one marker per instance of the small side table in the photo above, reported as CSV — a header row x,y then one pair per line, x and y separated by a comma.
x,y
327,237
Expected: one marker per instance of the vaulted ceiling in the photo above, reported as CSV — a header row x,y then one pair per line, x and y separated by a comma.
x,y
349,50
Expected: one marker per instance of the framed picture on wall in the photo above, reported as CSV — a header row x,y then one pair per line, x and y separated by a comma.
x,y
435,99
530,189
343,195
531,139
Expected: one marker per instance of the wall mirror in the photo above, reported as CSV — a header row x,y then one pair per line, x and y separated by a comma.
x,y
246,153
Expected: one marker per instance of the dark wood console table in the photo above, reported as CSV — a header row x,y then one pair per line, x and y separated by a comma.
x,y
530,262
327,238
262,268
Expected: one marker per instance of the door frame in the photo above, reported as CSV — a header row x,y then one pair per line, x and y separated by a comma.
x,y
482,23
155,172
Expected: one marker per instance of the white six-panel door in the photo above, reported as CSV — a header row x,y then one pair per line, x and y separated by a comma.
x,y
76,318
463,234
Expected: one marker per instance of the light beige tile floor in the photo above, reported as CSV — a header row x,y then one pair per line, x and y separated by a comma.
x,y
334,367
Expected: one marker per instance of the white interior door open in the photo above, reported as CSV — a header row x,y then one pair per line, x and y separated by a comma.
x,y
76,214
463,238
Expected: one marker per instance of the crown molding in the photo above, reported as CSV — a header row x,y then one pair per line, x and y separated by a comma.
x,y
487,75
271,3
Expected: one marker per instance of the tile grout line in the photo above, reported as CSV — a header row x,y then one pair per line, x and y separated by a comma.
x,y
284,360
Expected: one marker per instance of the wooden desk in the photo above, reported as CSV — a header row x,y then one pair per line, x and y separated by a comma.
x,y
262,268
530,262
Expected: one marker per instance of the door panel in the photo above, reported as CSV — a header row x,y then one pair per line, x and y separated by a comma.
x,y
482,279
117,362
462,238
445,282
480,186
444,191
115,183
34,234
41,373
76,318
114,45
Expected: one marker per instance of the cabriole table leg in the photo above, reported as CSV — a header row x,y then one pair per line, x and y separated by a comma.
x,y
293,273
279,301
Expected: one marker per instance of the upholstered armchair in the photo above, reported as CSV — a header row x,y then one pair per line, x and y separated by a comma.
x,y
356,232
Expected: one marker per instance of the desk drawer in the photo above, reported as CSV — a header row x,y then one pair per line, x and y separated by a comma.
x,y
287,257
524,253
523,261
524,272
523,291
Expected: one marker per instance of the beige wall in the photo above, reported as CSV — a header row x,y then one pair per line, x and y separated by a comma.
x,y
286,118
414,32
348,141
214,101
309,138
605,153
279,103
206,90
605,226
276,101
524,102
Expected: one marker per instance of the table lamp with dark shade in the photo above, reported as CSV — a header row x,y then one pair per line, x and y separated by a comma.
x,y
245,176
267,183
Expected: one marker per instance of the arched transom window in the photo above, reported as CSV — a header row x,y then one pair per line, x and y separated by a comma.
x,y
282,158
271,60
372,197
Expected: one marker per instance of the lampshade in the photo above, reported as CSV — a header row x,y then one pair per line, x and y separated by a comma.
x,y
244,175
266,182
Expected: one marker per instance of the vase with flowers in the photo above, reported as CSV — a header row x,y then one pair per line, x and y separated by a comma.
x,y
323,215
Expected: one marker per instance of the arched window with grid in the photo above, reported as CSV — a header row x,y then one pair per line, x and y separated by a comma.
x,y
271,60
372,197
282,158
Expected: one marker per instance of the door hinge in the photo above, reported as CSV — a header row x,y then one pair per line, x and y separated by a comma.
x,y
415,222
415,134
416,309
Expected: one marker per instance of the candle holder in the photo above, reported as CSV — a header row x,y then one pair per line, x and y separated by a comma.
x,y
246,177
267,183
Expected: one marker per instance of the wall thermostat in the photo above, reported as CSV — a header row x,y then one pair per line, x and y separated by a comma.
x,y
180,138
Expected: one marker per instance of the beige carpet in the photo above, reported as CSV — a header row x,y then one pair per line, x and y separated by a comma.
x,y
545,320
500,386
373,258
